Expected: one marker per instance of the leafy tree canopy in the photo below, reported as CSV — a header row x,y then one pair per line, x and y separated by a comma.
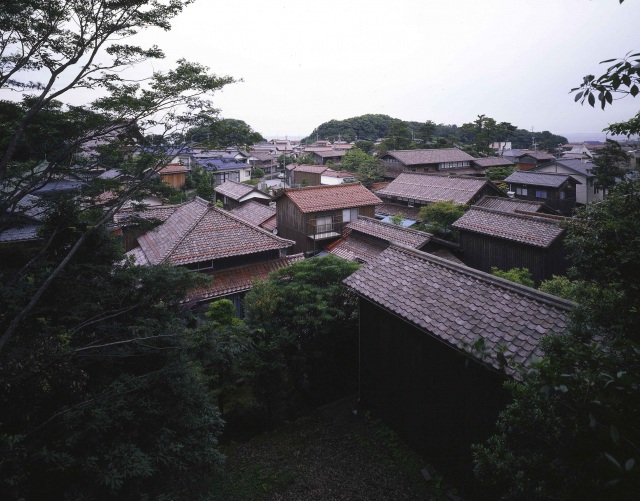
x,y
221,133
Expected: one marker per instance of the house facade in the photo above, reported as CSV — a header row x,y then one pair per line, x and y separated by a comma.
x,y
439,160
557,191
490,237
581,170
315,216
233,194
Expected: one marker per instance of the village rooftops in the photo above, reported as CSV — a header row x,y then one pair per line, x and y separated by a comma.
x,y
326,198
239,191
538,231
257,213
538,155
488,318
388,232
580,167
198,231
366,237
429,188
549,179
422,157
239,279
157,212
313,169
493,162
512,205
174,169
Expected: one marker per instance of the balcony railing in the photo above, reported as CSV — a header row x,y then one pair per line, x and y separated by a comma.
x,y
324,227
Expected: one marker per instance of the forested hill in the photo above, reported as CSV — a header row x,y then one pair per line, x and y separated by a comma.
x,y
483,129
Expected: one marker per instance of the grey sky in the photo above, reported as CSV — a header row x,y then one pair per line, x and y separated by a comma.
x,y
306,62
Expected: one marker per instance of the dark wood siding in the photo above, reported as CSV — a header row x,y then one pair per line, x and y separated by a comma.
x,y
435,397
482,252
312,178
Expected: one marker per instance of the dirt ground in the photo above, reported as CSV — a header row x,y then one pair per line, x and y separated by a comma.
x,y
330,455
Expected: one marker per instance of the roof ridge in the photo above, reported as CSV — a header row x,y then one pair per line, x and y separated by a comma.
x,y
252,226
540,218
529,292
200,201
394,226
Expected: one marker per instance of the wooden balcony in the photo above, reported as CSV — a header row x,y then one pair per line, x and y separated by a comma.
x,y
324,228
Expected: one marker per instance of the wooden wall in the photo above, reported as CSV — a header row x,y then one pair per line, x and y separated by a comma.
x,y
482,252
438,399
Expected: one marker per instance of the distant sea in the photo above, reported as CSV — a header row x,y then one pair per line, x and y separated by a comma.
x,y
579,137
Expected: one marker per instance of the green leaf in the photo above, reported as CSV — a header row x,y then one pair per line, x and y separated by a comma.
x,y
615,434
592,99
607,60
634,90
629,464
613,460
578,96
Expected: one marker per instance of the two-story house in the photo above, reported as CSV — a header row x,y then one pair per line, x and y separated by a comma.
x,y
581,170
438,160
316,215
557,191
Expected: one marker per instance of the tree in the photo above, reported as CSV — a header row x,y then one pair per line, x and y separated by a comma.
x,y
578,408
221,133
257,173
439,216
499,173
367,168
305,331
518,275
611,165
79,43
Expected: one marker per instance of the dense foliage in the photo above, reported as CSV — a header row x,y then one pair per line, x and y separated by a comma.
x,y
438,217
305,329
367,168
572,429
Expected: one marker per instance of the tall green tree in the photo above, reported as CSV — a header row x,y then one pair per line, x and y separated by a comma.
x,y
367,168
612,164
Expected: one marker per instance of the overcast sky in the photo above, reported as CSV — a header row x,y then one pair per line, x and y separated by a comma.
x,y
306,62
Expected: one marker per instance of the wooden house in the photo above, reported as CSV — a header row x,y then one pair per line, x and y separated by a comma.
x,y
325,156
414,190
174,175
316,216
437,341
557,191
202,237
581,170
437,160
528,159
233,194
490,237
307,175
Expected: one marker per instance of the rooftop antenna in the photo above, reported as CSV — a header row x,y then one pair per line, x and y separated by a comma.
x,y
535,145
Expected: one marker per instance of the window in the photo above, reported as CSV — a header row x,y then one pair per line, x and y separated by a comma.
x,y
349,215
563,195
541,193
522,191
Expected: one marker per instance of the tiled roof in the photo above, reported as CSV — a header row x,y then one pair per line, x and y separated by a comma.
x,y
460,306
420,157
239,279
313,169
235,190
30,206
538,155
329,154
174,169
492,162
357,248
389,232
254,212
433,188
549,179
392,209
20,234
338,173
509,204
530,230
198,231
159,212
580,167
218,163
324,198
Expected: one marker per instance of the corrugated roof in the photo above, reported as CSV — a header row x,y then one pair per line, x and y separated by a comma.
x,y
198,232
549,179
324,198
492,162
460,306
420,157
427,188
530,230
312,169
